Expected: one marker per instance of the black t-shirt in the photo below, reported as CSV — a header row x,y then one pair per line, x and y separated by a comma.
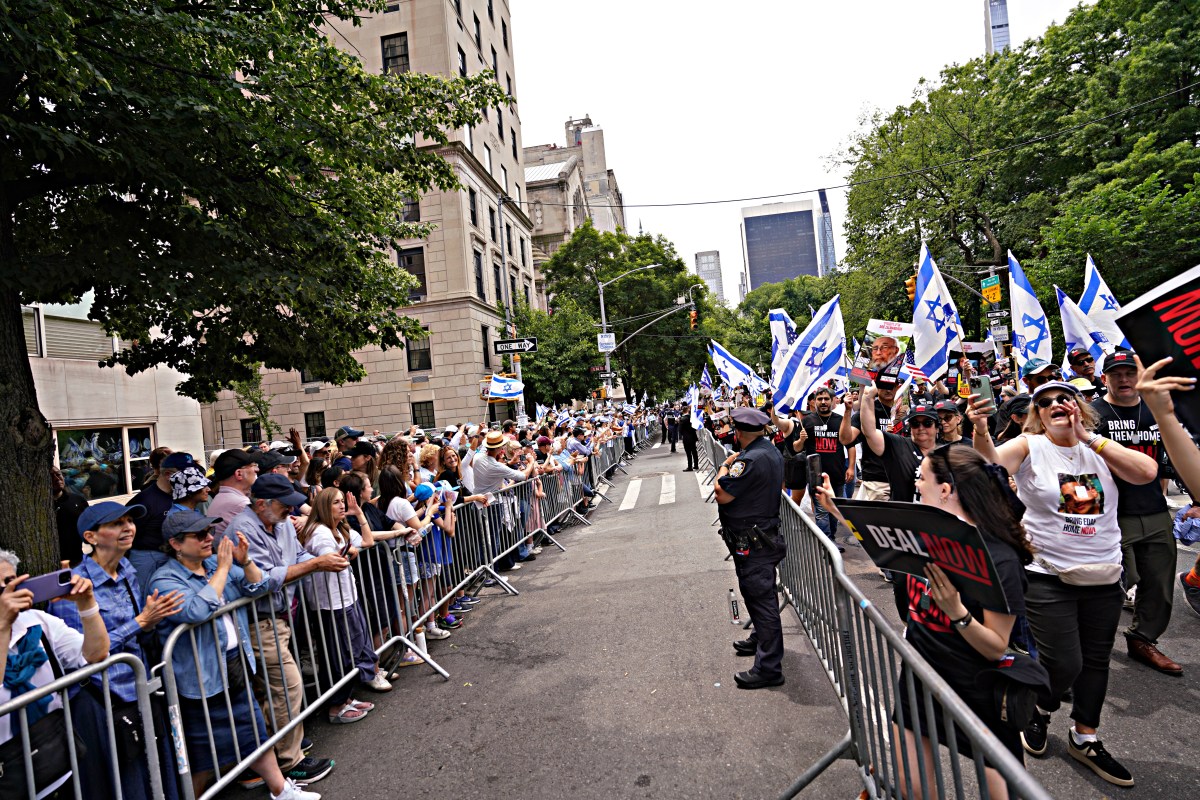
x,y
149,527
1136,428
930,631
376,518
68,508
872,465
823,441
900,461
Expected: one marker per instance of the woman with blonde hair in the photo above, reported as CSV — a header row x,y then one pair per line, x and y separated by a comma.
x,y
428,458
335,596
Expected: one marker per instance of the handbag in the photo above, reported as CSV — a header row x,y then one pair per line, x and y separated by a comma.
x,y
1085,574
1016,682
127,724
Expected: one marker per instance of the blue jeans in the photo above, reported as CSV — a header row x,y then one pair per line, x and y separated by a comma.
x,y
146,562
826,521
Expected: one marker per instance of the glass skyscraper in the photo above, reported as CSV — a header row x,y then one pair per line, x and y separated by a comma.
x,y
780,242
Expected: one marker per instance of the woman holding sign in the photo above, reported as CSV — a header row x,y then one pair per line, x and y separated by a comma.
x,y
960,637
1064,474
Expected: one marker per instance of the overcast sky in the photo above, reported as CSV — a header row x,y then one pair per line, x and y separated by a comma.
x,y
706,100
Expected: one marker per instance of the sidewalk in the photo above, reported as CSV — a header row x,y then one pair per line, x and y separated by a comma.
x,y
611,675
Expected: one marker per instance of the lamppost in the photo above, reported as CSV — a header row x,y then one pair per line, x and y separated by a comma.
x,y
604,318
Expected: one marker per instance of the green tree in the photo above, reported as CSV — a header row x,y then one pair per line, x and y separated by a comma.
x,y
254,401
560,369
223,177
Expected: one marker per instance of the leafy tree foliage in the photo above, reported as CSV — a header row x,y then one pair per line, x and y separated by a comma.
x,y
223,177
559,370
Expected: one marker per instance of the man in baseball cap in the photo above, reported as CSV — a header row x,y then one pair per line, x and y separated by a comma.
x,y
234,472
345,439
1084,366
1035,372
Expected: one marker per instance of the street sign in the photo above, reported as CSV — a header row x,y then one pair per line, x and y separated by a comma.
x,y
597,368
991,288
527,345
606,342
606,376
998,315
1000,333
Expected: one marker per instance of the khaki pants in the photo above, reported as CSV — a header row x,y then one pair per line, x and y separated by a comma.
x,y
272,645
874,490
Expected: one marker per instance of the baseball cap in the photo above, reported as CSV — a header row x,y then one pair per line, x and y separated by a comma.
x,y
277,487
177,461
1061,386
543,440
947,405
1119,358
181,522
473,430
346,432
1034,366
1076,352
108,511
422,491
922,410
272,459
1083,385
362,449
230,462
278,445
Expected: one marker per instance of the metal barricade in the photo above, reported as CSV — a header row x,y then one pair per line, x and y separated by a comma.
x,y
99,765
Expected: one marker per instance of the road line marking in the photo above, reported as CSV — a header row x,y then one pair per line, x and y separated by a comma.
x,y
656,445
668,490
631,495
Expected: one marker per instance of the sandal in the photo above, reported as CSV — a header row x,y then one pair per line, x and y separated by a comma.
x,y
362,705
347,715
410,659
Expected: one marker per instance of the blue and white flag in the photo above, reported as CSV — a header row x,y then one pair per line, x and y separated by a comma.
x,y
1031,333
813,359
783,335
541,411
1100,305
937,327
706,379
505,388
857,346
645,396
734,372
811,314
1079,331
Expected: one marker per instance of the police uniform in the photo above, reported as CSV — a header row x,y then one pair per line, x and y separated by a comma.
x,y
750,528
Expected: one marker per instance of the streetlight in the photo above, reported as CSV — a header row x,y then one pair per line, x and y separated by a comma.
x,y
604,318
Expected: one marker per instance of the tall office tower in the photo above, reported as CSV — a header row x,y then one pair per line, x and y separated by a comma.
x,y
995,25
825,237
779,241
477,257
708,267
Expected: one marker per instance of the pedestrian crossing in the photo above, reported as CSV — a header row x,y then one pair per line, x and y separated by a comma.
x,y
642,490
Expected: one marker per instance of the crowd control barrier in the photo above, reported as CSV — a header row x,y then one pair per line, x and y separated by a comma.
x,y
869,664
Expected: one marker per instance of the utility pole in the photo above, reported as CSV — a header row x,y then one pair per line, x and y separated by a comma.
x,y
508,299
604,318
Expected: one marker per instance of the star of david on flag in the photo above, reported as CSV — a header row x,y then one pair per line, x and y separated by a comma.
x,y
937,327
705,378
1100,306
1031,335
1079,331
814,358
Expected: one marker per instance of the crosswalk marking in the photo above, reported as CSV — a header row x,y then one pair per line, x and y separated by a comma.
x,y
631,495
656,445
668,490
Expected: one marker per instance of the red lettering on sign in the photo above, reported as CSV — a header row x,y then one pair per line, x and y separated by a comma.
x,y
1185,310
952,556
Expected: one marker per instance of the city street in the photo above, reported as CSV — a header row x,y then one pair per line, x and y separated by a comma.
x,y
601,680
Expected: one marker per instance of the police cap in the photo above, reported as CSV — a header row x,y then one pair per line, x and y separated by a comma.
x,y
749,419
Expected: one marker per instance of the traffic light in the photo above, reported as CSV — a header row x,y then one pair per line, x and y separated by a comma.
x,y
910,286
692,317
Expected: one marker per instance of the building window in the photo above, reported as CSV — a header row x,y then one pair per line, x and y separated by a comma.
x,y
504,38
395,53
504,177
500,123
495,66
512,288
412,209
492,222
314,424
497,282
470,139
67,337
517,193
105,462
307,377
508,83
527,293
491,11
423,415
462,63
508,237
487,349
523,251
479,291
487,158
251,432
419,355
412,261
512,137
458,8
33,339
473,206
478,35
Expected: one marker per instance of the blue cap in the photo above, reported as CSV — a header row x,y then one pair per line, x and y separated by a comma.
x,y
277,487
186,521
178,461
423,491
1034,366
108,511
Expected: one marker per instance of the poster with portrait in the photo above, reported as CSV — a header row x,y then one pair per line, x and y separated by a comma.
x,y
883,343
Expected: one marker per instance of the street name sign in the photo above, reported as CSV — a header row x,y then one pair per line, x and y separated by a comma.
x,y
606,342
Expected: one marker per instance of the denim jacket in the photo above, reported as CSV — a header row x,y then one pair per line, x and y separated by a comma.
x,y
200,604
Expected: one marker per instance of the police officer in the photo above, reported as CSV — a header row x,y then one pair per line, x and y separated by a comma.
x,y
748,494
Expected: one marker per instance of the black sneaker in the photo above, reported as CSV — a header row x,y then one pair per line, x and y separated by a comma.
x,y
1093,755
310,770
1033,738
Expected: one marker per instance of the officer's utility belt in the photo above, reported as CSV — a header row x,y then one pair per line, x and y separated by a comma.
x,y
753,538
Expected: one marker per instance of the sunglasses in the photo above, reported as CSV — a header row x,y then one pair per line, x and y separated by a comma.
x,y
922,422
1083,360
199,536
1046,402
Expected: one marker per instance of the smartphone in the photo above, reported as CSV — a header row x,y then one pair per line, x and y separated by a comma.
x,y
49,586
982,386
346,549
814,471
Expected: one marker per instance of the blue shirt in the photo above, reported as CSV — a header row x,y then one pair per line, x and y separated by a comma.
x,y
273,552
1186,530
120,601
577,447
200,604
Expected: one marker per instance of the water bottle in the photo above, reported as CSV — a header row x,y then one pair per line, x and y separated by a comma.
x,y
734,617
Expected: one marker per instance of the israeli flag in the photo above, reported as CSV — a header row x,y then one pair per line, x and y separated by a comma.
x,y
1031,333
505,388
936,324
783,335
1100,305
733,371
542,411
645,396
815,357
1080,331
706,379
857,346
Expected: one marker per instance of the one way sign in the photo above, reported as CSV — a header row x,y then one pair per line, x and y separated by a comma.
x,y
526,345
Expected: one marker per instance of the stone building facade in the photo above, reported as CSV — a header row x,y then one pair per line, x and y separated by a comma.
x,y
478,256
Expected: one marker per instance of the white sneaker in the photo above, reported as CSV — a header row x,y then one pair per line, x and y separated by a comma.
x,y
516,566
293,792
434,632
379,683
537,551
1130,598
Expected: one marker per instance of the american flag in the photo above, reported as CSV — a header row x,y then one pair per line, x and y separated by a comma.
x,y
910,365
